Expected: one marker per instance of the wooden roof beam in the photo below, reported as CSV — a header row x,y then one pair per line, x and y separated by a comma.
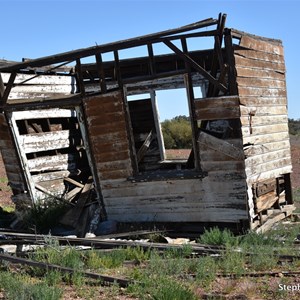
x,y
196,66
80,53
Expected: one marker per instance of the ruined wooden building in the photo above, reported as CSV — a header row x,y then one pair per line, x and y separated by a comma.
x,y
88,119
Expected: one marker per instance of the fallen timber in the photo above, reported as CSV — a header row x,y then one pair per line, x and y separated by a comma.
x,y
103,243
103,278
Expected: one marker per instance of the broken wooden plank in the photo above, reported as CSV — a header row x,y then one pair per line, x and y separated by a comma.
x,y
265,202
71,217
72,194
143,149
70,180
259,73
221,146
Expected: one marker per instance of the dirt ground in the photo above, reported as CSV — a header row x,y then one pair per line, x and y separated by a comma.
x,y
5,192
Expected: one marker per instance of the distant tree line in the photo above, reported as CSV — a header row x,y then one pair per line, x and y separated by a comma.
x,y
294,126
177,133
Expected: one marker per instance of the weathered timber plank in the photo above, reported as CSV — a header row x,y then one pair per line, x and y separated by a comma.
x,y
262,101
39,80
221,113
272,220
114,174
112,147
264,65
50,176
266,138
263,110
45,141
252,169
267,157
56,162
264,129
220,145
259,73
109,137
265,201
266,148
54,186
206,215
215,102
47,89
263,120
258,82
259,45
222,165
26,101
260,56
273,173
262,92
120,166
44,114
72,216
113,165
159,188
213,155
115,119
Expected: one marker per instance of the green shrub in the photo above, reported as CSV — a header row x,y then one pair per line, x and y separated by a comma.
x,y
216,236
18,287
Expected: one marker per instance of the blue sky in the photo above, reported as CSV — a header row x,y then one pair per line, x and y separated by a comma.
x,y
38,28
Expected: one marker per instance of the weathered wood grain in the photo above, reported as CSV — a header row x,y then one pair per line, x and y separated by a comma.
x,y
44,114
266,138
32,79
263,110
259,45
258,149
264,129
221,146
260,56
259,73
259,64
60,162
106,114
262,92
258,82
262,101
46,141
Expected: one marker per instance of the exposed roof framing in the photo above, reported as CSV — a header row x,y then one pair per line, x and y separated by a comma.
x,y
128,43
116,74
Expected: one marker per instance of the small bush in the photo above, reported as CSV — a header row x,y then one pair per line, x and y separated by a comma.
x,y
44,215
215,236
18,287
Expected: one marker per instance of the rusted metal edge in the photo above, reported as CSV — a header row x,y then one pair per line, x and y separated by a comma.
x,y
105,279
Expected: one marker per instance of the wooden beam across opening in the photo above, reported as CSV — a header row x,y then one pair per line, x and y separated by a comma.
x,y
195,65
